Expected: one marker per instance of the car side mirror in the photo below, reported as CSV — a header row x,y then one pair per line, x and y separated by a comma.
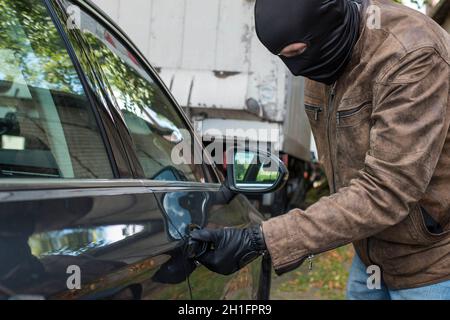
x,y
255,171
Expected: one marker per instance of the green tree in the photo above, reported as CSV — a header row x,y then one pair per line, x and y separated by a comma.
x,y
30,41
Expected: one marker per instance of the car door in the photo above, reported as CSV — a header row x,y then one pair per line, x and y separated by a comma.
x,y
73,221
168,158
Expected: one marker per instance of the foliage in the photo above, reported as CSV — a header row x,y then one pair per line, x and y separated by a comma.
x,y
35,46
326,280
418,3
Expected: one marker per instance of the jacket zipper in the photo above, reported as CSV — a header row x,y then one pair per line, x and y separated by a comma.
x,y
316,115
339,115
286,267
314,109
330,113
347,113
310,259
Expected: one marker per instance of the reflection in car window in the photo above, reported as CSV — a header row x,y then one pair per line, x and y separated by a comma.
x,y
153,121
47,129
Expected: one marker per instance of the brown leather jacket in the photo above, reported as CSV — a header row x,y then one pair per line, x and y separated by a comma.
x,y
382,133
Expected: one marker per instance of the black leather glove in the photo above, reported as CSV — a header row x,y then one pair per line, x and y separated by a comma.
x,y
230,249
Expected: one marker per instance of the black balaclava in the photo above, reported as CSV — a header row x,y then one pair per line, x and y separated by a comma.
x,y
330,28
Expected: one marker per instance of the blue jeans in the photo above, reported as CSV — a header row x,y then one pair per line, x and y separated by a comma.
x,y
357,288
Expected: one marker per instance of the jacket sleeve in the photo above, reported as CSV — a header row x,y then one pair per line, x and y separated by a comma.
x,y
410,123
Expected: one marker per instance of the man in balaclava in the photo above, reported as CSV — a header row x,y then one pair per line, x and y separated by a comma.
x,y
377,97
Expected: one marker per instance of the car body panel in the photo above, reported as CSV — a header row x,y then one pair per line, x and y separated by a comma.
x,y
116,236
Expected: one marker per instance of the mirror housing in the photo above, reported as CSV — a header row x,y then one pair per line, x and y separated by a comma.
x,y
254,171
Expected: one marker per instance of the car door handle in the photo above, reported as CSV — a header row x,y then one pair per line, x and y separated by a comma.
x,y
195,248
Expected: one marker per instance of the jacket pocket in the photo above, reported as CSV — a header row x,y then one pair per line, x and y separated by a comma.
x,y
428,233
313,112
407,248
353,116
412,231
353,137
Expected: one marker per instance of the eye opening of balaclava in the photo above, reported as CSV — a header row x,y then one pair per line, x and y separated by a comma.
x,y
329,28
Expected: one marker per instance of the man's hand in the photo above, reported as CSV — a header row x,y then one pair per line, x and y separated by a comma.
x,y
230,249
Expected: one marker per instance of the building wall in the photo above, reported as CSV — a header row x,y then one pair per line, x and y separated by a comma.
x,y
206,51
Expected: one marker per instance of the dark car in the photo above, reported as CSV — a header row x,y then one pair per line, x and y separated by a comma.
x,y
96,198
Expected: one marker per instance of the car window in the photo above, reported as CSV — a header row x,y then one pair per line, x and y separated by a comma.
x,y
158,131
47,127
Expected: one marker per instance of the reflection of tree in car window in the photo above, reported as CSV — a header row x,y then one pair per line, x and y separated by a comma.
x,y
47,128
155,126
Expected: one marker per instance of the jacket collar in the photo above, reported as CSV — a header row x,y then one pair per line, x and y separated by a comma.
x,y
358,49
